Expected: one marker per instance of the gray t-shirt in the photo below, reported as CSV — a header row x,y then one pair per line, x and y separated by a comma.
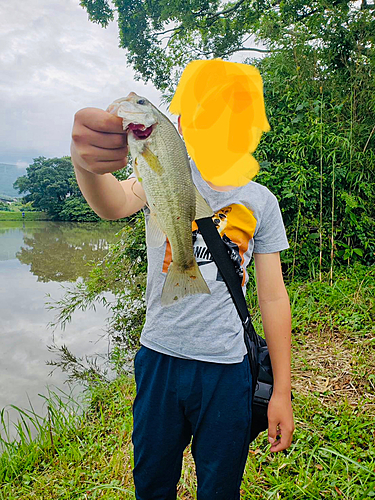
x,y
207,327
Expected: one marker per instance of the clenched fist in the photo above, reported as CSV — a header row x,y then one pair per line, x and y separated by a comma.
x,y
99,143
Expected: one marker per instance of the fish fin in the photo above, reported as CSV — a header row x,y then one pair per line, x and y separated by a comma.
x,y
152,160
180,283
202,209
155,236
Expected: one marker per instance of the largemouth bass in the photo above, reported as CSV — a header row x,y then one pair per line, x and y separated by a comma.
x,y
161,165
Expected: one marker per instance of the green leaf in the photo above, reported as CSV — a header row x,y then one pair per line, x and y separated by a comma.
x,y
358,251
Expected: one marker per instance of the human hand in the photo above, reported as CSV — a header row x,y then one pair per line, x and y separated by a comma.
x,y
99,143
280,422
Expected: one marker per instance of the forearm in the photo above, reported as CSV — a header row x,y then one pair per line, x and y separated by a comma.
x,y
277,328
103,192
275,308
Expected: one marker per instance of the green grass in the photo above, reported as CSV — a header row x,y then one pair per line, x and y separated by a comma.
x,y
4,216
332,455
74,455
89,455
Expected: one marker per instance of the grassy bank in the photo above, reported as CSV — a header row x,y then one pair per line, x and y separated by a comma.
x,y
333,451
5,216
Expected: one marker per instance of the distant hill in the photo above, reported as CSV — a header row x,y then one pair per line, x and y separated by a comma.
x,y
8,174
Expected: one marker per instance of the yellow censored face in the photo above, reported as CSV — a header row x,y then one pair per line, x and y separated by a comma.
x,y
222,119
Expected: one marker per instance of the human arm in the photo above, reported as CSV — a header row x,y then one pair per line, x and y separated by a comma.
x,y
275,310
99,147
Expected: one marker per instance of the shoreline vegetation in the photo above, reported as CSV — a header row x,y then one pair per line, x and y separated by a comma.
x,y
17,216
84,451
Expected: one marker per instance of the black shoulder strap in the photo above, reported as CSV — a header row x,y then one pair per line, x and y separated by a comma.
x,y
219,252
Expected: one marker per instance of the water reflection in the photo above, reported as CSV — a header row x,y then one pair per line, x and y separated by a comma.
x,y
35,260
56,251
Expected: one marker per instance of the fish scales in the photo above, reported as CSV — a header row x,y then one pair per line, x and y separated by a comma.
x,y
162,166
171,195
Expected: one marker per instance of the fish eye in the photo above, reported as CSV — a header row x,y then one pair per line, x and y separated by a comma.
x,y
141,101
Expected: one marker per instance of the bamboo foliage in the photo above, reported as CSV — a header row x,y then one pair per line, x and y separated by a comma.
x,y
332,217
322,130
321,187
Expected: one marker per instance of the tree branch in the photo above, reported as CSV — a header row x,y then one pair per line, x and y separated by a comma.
x,y
303,16
253,49
168,31
215,16
240,49
235,7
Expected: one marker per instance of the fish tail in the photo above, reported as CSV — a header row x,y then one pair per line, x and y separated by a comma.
x,y
182,282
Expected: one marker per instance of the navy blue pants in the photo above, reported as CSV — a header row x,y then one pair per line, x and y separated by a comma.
x,y
180,398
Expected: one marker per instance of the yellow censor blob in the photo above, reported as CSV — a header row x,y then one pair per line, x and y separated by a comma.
x,y
222,119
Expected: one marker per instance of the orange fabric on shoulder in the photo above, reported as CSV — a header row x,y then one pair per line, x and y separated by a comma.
x,y
222,119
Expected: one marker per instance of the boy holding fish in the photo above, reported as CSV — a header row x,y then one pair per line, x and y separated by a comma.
x,y
192,372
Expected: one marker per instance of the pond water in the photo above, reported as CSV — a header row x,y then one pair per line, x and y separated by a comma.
x,y
39,258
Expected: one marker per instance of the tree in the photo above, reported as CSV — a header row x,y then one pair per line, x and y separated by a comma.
x,y
162,36
47,182
51,185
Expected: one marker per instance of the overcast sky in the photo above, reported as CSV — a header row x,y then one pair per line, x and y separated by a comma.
x,y
53,62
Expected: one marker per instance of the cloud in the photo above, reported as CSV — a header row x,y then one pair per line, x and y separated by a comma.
x,y
53,62
24,335
21,164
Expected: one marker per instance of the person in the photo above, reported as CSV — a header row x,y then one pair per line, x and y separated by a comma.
x,y
193,378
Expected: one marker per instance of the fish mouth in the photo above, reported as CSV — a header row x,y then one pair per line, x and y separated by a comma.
x,y
140,131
